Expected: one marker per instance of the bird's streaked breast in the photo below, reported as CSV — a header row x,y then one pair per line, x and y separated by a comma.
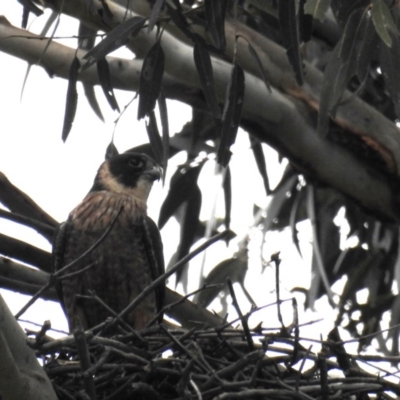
x,y
99,209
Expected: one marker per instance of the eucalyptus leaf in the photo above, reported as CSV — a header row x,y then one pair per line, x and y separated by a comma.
x,y
383,21
72,98
317,8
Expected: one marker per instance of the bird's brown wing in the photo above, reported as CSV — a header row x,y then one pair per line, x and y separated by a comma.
x,y
59,243
154,248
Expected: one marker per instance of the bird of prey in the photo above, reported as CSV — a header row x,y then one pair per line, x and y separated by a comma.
x,y
121,247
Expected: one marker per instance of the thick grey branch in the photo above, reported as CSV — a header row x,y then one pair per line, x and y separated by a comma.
x,y
26,280
21,376
282,121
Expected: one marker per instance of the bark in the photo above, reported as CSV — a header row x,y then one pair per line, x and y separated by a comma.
x,y
21,376
275,118
355,115
18,202
20,278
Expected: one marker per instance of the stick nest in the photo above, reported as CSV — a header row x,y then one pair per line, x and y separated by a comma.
x,y
208,363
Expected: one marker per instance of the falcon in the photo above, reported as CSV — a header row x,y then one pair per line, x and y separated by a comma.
x,y
114,248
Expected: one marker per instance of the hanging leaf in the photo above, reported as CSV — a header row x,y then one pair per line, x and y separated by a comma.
x,y
86,41
111,151
154,14
288,23
260,67
352,34
215,15
305,23
150,80
389,58
155,138
86,37
105,12
326,240
259,157
25,17
383,21
298,194
394,325
278,200
189,221
115,39
49,22
180,21
203,64
367,49
339,70
342,9
354,262
162,106
31,7
227,187
92,100
317,8
231,115
378,280
72,98
103,72
183,183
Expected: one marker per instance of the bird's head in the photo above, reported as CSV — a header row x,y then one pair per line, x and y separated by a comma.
x,y
128,173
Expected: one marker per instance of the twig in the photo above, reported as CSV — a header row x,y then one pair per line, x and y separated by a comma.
x,y
33,299
120,389
84,356
196,389
296,330
174,269
243,319
94,296
181,300
303,362
91,248
81,271
40,336
182,387
184,349
316,247
277,261
237,366
58,273
129,356
323,374
100,362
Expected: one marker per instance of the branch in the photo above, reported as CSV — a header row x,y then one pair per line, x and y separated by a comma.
x,y
178,266
355,116
19,202
285,123
21,376
44,229
24,252
20,278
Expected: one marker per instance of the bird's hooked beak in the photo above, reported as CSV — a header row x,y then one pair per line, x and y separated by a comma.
x,y
153,172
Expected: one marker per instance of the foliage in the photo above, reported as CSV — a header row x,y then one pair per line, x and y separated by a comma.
x,y
316,80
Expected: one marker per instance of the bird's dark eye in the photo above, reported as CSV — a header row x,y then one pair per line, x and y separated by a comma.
x,y
135,162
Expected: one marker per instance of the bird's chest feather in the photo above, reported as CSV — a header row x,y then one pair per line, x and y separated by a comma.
x,y
101,209
120,261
